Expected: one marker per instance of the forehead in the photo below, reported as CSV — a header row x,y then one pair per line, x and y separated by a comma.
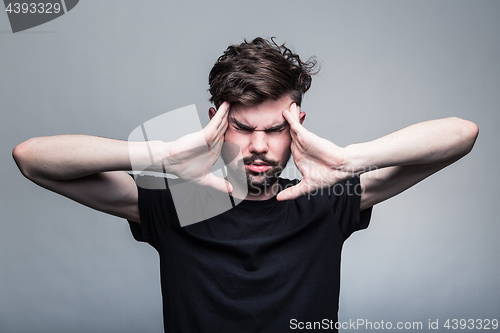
x,y
261,116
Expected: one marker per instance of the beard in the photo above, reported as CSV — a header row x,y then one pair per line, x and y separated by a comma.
x,y
258,181
255,182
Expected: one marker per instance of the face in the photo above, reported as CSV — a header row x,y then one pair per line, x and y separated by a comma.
x,y
263,136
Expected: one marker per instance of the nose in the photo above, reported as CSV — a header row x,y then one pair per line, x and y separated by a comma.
x,y
258,143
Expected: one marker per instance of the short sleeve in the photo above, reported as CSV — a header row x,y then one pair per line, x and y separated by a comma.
x,y
156,209
141,231
345,197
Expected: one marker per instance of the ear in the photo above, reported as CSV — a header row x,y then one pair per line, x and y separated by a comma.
x,y
302,116
211,113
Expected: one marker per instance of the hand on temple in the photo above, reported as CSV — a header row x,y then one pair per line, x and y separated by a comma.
x,y
318,160
192,156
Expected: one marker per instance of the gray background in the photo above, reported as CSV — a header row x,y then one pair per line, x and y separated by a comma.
x,y
107,66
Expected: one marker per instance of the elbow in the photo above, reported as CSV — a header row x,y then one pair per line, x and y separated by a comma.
x,y
467,132
21,155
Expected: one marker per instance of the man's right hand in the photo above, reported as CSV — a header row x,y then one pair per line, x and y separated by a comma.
x,y
192,156
91,170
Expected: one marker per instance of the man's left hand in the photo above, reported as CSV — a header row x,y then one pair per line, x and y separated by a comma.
x,y
319,161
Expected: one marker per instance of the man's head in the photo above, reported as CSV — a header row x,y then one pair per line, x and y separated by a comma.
x,y
263,137
260,79
256,71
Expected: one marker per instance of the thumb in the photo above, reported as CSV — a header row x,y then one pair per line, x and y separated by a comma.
x,y
217,183
292,192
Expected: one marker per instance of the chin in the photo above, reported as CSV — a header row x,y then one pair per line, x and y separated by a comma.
x,y
260,182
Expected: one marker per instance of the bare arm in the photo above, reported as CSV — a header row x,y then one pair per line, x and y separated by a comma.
x,y
397,161
387,166
87,169
91,170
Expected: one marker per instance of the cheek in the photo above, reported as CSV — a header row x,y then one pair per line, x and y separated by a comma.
x,y
285,140
281,146
236,138
229,136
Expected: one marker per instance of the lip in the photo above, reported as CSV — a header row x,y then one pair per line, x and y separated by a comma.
x,y
258,167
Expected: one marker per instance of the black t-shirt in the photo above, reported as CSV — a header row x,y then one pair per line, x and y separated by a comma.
x,y
256,267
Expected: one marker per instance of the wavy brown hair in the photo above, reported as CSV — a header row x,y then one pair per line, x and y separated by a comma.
x,y
253,72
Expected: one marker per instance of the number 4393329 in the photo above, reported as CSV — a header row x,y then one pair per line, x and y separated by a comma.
x,y
33,8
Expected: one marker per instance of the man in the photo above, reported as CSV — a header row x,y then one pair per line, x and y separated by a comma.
x,y
271,263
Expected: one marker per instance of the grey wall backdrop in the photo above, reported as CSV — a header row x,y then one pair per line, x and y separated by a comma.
x,y
107,66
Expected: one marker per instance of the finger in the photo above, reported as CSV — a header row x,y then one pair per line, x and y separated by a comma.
x,y
292,192
219,117
289,117
217,126
295,110
217,183
293,120
221,132
223,123
221,129
222,111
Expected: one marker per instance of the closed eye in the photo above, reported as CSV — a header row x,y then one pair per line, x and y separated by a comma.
x,y
278,128
239,129
268,131
275,130
247,129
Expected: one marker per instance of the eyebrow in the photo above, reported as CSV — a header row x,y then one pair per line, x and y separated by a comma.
x,y
249,128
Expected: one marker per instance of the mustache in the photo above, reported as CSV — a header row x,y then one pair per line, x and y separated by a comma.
x,y
260,157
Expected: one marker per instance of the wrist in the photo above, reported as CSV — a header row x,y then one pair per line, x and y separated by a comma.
x,y
353,161
148,155
160,150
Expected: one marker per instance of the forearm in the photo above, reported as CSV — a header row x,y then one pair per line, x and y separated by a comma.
x,y
63,157
432,141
